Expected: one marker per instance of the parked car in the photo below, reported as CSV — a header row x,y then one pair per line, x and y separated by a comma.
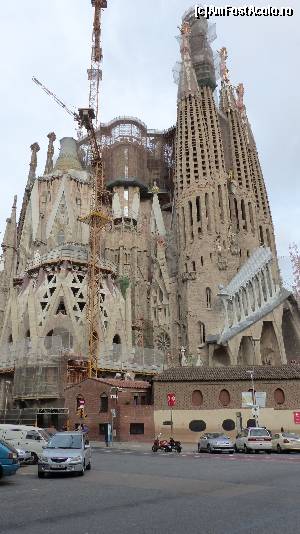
x,y
9,463
286,441
66,452
29,438
253,439
24,456
215,442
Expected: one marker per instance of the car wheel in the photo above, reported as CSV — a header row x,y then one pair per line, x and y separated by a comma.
x,y
1,472
41,474
199,448
279,449
246,450
235,448
81,473
89,466
34,458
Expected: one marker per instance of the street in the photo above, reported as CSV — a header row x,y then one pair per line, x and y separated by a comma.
x,y
138,491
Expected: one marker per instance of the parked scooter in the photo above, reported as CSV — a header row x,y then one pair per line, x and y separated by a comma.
x,y
175,445
166,446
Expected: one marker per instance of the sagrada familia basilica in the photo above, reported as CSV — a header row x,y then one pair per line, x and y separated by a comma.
x,y
189,266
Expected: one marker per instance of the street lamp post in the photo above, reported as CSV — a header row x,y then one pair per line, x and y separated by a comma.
x,y
254,405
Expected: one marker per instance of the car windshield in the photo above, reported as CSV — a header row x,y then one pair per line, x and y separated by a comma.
x,y
259,432
44,434
291,435
215,435
65,441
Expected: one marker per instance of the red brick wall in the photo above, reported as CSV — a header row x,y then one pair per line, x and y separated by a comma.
x,y
211,391
126,411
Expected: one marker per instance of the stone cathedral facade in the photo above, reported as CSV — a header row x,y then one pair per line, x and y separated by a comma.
x,y
189,266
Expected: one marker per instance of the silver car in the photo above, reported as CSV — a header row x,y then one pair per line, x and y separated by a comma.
x,y
215,442
66,452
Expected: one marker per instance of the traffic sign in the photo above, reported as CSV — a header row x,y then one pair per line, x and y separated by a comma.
x,y
171,398
297,418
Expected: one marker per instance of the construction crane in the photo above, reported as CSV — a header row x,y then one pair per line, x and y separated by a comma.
x,y
100,198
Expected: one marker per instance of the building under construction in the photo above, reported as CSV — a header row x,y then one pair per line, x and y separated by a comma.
x,y
188,271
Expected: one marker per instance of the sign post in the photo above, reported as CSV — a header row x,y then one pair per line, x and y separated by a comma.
x,y
171,398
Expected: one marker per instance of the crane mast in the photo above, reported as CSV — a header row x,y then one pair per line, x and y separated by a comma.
x,y
100,197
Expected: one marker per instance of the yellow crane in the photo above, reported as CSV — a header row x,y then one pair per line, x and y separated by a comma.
x,y
100,197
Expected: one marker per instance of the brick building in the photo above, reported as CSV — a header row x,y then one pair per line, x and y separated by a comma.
x,y
128,400
211,399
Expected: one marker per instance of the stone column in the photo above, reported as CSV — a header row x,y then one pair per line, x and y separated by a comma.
x,y
33,161
243,316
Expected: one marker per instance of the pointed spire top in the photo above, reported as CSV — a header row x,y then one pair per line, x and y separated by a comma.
x,y
50,152
9,239
240,91
33,161
224,72
187,79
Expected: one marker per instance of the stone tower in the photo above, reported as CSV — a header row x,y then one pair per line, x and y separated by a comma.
x,y
228,274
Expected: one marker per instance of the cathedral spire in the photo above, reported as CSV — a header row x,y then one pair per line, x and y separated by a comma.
x,y
50,152
9,240
188,84
33,163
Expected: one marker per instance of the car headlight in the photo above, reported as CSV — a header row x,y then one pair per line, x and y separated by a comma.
x,y
44,459
75,459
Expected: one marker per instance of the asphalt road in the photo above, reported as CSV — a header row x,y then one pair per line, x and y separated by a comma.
x,y
141,492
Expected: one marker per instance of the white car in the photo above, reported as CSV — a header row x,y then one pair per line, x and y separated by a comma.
x,y
286,441
28,438
253,439
24,456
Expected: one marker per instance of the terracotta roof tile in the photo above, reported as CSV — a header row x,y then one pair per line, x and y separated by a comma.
x,y
126,384
214,374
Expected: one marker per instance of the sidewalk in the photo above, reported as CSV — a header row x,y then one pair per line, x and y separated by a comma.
x,y
137,446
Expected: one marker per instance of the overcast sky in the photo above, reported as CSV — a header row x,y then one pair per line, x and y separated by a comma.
x,y
50,39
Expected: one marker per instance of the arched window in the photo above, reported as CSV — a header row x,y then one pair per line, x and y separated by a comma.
x,y
201,333
224,397
198,209
261,235
103,403
191,219
183,226
251,216
208,297
244,217
279,396
207,212
236,210
197,398
220,198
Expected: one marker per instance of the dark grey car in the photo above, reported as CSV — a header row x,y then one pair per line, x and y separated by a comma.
x,y
215,442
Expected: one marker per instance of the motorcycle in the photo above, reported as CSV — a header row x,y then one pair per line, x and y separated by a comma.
x,y
166,446
175,445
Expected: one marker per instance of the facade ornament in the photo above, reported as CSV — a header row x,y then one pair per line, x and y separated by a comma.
x,y
183,360
154,189
224,72
33,161
50,152
233,241
240,91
